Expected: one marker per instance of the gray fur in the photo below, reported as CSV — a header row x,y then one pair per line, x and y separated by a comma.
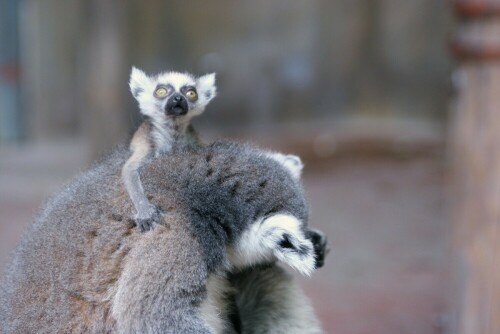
x,y
82,267
270,302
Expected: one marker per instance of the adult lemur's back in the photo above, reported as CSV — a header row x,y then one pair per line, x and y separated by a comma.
x,y
54,266
82,267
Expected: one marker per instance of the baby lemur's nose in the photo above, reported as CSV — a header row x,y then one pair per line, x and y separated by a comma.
x,y
177,105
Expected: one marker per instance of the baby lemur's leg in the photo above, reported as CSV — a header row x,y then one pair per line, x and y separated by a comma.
x,y
146,213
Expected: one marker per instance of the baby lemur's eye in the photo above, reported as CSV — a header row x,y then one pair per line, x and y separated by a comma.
x,y
161,92
191,94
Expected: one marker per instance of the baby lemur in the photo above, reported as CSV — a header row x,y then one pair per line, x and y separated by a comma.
x,y
169,100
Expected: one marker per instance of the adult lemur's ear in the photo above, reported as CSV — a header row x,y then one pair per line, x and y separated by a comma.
x,y
206,87
139,82
291,162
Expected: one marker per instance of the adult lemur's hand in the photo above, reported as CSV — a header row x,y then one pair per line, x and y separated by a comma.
x,y
320,243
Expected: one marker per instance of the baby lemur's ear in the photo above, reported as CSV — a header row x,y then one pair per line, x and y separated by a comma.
x,y
139,82
291,162
206,87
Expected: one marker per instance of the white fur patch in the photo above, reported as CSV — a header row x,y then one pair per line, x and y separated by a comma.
x,y
291,162
213,308
206,86
277,237
176,79
138,80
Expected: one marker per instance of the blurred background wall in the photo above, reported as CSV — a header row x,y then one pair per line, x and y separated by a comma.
x,y
278,63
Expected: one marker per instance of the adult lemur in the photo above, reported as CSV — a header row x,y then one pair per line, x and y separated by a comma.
x,y
170,100
82,268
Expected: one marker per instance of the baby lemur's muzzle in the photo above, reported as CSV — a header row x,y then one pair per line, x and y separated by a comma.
x,y
177,105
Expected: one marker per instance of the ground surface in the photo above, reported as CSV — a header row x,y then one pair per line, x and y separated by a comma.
x,y
383,215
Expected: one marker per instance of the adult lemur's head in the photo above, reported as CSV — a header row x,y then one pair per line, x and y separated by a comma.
x,y
172,94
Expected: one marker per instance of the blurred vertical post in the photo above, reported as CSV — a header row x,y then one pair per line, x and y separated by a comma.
x,y
10,118
475,163
48,42
106,74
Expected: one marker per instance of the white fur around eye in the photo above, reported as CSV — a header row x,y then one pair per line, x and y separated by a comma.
x,y
263,242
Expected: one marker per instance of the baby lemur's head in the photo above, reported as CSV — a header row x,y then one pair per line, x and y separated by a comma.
x,y
172,95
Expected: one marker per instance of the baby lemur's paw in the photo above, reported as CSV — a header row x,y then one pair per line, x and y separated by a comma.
x,y
320,244
147,223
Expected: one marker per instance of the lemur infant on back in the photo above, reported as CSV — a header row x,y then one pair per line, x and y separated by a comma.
x,y
169,100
